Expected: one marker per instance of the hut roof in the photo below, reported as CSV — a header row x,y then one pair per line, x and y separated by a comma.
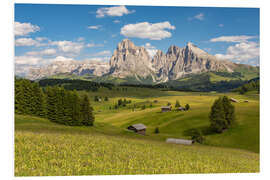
x,y
179,141
234,100
166,107
139,126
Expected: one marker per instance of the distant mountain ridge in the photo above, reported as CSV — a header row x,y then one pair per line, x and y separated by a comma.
x,y
131,61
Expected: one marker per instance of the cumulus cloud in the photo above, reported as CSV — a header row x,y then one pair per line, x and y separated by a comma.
x,y
199,16
98,59
112,11
244,52
234,39
152,50
45,52
68,46
221,25
23,29
103,53
116,21
94,27
146,30
89,45
27,42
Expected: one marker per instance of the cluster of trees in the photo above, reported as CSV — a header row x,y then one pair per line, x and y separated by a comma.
x,y
121,103
96,98
55,103
222,114
252,85
70,84
177,104
202,83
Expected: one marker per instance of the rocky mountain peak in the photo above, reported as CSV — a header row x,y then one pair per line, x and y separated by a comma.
x,y
125,45
173,50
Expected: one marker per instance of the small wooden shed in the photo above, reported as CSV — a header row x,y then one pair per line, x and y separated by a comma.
x,y
166,108
234,100
179,141
138,128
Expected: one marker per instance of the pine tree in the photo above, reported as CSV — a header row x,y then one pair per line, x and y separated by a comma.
x,y
86,112
76,116
51,104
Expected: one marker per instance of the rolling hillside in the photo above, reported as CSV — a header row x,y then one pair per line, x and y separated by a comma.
x,y
43,148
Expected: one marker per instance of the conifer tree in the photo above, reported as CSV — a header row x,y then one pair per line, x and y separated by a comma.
x,y
86,112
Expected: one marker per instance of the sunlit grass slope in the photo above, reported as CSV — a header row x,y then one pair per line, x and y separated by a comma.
x,y
45,148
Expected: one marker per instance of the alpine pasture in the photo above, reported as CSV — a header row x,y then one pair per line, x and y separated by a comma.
x,y
45,148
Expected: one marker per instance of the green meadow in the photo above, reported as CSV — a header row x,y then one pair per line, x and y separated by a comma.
x,y
45,148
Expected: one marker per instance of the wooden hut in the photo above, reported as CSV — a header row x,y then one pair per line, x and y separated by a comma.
x,y
138,128
234,100
181,109
166,108
179,141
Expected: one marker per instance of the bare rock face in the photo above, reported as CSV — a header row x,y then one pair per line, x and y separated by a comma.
x,y
178,62
130,60
73,67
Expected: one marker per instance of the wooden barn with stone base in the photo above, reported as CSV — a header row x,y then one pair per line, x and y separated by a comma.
x,y
138,128
166,108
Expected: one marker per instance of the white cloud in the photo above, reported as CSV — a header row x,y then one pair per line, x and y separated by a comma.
x,y
68,46
152,50
23,29
98,59
232,38
45,52
89,45
199,16
103,53
112,11
221,25
116,21
27,42
24,63
41,39
94,27
81,39
27,60
146,30
244,52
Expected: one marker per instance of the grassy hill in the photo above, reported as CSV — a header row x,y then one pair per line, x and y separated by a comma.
x,y
244,135
44,148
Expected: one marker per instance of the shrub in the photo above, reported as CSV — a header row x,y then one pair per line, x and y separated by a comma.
x,y
187,107
177,104
197,136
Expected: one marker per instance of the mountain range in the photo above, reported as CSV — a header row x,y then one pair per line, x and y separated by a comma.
x,y
131,61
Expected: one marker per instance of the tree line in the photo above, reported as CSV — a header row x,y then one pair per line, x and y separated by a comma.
x,y
252,85
55,103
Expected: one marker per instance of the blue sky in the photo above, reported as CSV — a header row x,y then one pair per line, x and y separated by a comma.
x,y
45,33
